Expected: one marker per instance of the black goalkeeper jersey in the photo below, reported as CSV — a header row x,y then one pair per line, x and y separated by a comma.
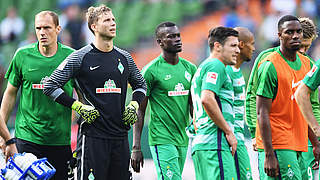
x,y
102,79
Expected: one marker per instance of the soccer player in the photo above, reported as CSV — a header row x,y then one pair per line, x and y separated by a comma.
x,y
309,34
214,142
246,46
168,78
282,131
42,127
102,72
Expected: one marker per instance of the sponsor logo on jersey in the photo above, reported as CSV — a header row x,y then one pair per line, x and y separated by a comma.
x,y
187,75
212,77
168,76
41,85
178,91
313,69
109,87
120,66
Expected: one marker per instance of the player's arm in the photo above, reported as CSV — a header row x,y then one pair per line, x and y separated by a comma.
x,y
208,100
266,91
315,147
64,72
7,105
136,154
302,96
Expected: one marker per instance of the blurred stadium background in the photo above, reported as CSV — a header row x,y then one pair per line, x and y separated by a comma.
x,y
136,21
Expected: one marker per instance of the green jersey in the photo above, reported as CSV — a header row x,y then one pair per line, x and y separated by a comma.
x,y
250,103
39,119
211,75
312,79
239,98
168,92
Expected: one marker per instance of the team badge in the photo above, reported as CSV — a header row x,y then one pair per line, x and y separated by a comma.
x,y
248,175
290,172
212,77
187,76
178,91
168,76
120,67
169,172
41,85
91,176
109,87
313,69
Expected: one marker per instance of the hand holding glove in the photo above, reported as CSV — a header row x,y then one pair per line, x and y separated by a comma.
x,y
88,113
129,115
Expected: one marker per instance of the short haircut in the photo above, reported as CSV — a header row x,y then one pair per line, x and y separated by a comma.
x,y
308,28
163,25
220,34
284,19
94,12
54,16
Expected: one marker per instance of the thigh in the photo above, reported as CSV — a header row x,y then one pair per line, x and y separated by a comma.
x,y
58,157
166,161
242,162
288,163
307,160
212,164
29,147
182,152
94,158
120,159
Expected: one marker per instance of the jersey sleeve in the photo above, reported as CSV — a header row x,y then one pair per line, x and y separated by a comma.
x,y
312,79
267,80
214,78
147,74
64,72
135,79
14,74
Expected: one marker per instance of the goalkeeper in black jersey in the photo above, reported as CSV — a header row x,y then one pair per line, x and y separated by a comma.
x,y
101,72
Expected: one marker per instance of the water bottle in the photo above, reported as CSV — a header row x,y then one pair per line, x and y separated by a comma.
x,y
11,175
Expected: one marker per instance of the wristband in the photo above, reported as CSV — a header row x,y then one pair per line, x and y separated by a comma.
x,y
136,150
11,141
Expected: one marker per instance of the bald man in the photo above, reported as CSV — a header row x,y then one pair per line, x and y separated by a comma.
x,y
246,46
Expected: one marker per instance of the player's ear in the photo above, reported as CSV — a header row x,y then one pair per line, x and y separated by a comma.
x,y
217,46
58,28
241,44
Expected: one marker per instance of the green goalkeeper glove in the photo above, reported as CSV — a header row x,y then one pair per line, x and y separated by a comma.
x,y
88,113
130,113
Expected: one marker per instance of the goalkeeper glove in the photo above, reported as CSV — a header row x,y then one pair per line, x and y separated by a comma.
x,y
130,113
88,113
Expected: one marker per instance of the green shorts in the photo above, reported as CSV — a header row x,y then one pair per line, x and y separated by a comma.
x,y
242,163
290,163
309,160
169,160
213,164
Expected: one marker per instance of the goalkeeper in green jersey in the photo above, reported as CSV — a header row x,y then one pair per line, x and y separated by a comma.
x,y
241,157
168,78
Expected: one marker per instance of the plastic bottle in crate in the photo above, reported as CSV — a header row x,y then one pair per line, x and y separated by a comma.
x,y
11,175
24,160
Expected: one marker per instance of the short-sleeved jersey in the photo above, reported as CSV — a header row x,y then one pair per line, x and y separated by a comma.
x,y
250,103
102,79
39,119
168,91
312,79
211,75
239,98
278,80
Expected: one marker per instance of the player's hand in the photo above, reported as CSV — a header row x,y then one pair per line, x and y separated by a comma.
x,y
129,115
232,142
88,113
136,160
254,144
316,131
271,165
10,151
316,154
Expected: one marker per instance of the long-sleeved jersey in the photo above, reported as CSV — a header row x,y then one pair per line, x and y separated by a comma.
x,y
102,79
